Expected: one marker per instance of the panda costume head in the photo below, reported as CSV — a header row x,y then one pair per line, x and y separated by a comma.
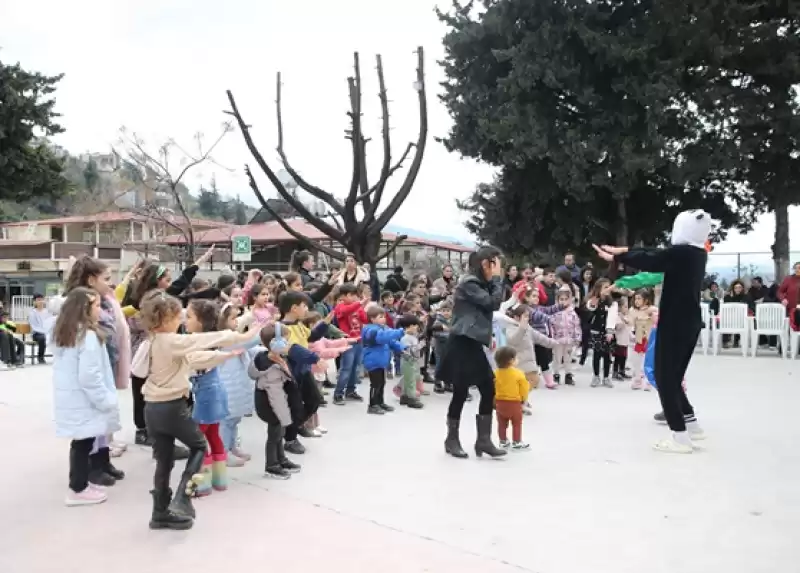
x,y
691,228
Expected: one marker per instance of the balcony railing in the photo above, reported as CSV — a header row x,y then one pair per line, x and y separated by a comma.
x,y
53,251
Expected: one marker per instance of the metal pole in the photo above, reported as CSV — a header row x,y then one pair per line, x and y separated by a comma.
x,y
738,265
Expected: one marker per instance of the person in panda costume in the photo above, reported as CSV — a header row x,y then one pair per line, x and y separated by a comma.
x,y
684,265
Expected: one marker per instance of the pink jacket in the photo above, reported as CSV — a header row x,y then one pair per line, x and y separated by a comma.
x,y
566,325
123,374
327,349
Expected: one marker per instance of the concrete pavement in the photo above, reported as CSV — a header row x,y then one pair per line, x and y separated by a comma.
x,y
378,493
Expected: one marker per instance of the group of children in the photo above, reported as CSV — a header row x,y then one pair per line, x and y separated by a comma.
x,y
210,356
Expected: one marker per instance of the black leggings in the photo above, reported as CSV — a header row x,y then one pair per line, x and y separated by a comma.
x,y
377,382
596,357
138,402
166,422
79,451
544,357
586,338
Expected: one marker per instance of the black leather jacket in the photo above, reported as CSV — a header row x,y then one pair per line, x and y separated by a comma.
x,y
474,302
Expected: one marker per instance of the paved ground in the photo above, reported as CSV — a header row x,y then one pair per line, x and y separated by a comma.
x,y
379,493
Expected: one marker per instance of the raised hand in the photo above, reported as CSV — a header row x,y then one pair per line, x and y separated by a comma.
x,y
602,253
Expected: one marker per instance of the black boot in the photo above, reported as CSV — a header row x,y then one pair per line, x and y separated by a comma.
x,y
439,387
410,402
426,376
182,502
97,473
108,467
142,439
484,445
163,517
452,445
660,418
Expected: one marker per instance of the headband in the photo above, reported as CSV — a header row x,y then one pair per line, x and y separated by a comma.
x,y
161,270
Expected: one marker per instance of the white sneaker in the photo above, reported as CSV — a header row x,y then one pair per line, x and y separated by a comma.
x,y
315,433
322,430
234,461
520,446
505,444
89,496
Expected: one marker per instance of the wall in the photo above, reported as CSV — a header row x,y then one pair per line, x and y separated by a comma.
x,y
22,233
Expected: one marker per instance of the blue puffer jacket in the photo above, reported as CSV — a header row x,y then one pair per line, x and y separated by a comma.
x,y
380,343
238,384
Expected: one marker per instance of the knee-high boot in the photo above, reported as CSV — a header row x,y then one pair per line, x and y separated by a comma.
x,y
190,480
219,472
452,444
483,444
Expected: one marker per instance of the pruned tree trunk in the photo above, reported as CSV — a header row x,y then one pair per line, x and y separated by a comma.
x,y
780,250
622,222
358,232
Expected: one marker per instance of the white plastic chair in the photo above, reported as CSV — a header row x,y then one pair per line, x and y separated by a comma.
x,y
770,321
794,342
733,319
705,334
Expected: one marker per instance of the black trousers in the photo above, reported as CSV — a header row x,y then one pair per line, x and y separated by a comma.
x,y
7,349
597,356
274,453
377,383
79,451
41,341
544,356
138,402
166,422
586,338
673,353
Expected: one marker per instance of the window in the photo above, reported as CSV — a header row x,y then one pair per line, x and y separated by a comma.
x,y
57,234
406,257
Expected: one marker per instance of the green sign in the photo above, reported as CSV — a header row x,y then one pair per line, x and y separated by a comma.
x,y
242,248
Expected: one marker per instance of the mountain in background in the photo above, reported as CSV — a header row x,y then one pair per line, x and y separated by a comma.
x,y
399,230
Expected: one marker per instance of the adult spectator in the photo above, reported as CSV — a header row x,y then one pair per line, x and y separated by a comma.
x,y
396,282
790,297
13,350
712,295
549,284
303,264
756,293
447,283
569,265
353,274
39,321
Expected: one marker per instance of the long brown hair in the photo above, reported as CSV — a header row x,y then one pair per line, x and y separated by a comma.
x,y
158,307
75,318
82,270
598,286
147,281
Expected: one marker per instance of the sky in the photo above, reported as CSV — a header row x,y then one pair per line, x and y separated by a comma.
x,y
161,70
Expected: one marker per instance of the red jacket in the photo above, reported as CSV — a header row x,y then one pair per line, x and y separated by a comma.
x,y
790,292
350,317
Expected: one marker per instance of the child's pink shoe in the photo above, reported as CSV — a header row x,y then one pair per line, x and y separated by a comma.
x,y
637,384
548,381
421,391
397,390
89,496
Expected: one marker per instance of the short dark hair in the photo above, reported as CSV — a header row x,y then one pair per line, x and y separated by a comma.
x,y
290,299
504,356
407,320
374,312
37,296
398,270
565,276
483,254
386,294
347,288
548,270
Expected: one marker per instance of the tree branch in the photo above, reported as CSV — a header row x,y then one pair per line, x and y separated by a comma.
x,y
394,167
308,243
398,240
354,88
304,212
390,211
311,189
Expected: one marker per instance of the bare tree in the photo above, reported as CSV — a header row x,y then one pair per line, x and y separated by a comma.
x,y
360,233
162,173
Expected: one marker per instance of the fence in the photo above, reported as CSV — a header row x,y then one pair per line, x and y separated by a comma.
x,y
20,306
745,265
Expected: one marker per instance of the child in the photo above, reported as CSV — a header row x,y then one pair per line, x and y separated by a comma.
x,y
379,342
643,319
40,321
523,339
540,321
304,403
566,325
262,310
511,392
274,383
410,387
170,358
210,397
350,317
440,332
86,404
238,388
602,321
622,335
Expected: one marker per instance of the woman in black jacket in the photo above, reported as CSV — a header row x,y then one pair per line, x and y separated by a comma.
x,y
465,362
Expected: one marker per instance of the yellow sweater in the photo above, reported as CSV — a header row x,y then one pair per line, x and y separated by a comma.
x,y
510,384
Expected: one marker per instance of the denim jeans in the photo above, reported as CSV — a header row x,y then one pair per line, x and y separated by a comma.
x,y
229,431
348,370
